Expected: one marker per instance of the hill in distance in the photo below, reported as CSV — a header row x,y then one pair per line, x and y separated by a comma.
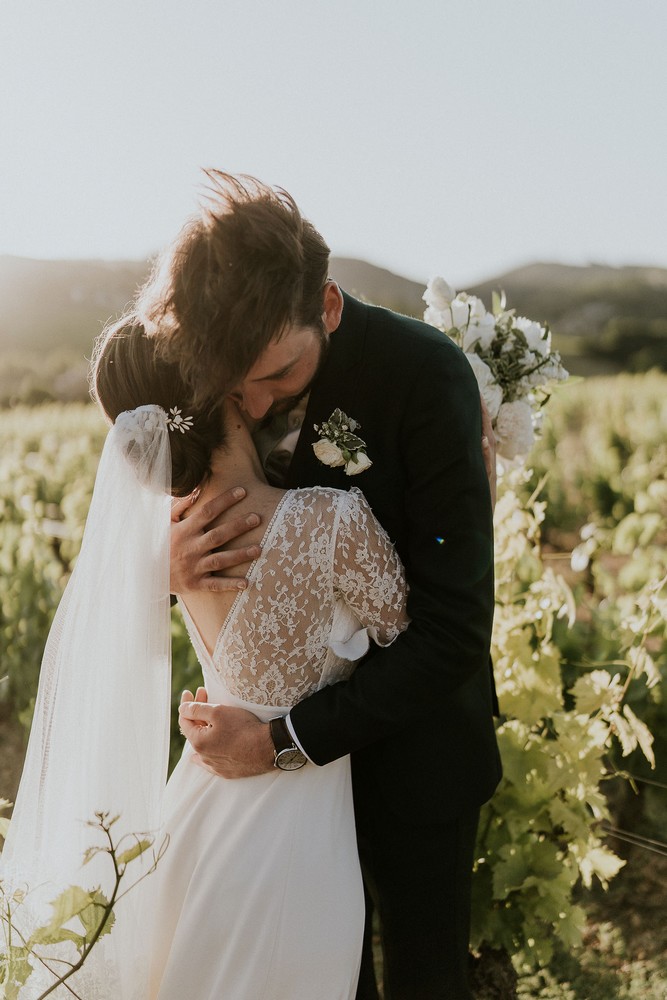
x,y
49,305
46,304
581,300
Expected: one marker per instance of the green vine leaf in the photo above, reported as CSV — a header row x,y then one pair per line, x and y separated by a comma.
x,y
72,902
135,851
92,915
16,970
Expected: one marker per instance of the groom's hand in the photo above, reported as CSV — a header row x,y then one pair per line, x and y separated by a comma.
x,y
194,561
229,742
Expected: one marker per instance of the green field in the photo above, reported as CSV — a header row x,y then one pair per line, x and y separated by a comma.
x,y
600,486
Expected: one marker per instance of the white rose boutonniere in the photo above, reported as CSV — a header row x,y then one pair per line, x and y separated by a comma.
x,y
328,452
358,464
340,445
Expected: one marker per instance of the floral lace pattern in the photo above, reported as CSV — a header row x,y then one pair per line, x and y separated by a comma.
x,y
323,550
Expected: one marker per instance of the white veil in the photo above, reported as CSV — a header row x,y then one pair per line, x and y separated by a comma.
x,y
100,734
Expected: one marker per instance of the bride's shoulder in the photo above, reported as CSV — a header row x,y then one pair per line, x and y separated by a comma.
x,y
325,501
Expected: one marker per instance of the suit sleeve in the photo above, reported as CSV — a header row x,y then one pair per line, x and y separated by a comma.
x,y
448,556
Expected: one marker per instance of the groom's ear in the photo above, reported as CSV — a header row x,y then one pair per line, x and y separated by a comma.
x,y
333,306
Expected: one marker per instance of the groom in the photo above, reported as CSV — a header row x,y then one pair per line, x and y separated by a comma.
x,y
249,311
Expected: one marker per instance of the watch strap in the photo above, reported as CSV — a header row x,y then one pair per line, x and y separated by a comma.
x,y
286,754
281,736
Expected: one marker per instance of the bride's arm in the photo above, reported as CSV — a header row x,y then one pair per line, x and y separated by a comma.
x,y
367,572
369,576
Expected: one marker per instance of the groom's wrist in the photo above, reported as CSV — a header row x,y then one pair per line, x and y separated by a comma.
x,y
287,755
290,729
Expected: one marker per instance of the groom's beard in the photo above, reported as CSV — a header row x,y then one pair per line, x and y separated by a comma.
x,y
290,402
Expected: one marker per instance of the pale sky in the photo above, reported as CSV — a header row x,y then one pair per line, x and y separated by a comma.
x,y
453,137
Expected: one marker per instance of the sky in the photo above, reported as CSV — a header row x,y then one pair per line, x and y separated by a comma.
x,y
452,137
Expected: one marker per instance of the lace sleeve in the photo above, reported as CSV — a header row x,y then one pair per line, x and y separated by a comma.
x,y
368,574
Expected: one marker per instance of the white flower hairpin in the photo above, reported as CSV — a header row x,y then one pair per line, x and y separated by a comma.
x,y
176,421
339,445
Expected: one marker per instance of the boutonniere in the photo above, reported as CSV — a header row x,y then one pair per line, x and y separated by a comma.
x,y
339,445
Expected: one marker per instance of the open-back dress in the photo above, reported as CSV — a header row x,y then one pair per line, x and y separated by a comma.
x,y
259,895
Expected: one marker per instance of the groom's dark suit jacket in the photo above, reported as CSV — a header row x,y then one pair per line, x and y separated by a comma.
x,y
417,715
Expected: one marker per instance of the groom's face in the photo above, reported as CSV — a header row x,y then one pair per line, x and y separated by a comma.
x,y
283,373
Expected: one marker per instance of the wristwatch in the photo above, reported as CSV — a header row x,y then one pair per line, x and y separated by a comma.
x,y
286,754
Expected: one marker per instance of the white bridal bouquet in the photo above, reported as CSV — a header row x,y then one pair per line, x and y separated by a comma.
x,y
510,355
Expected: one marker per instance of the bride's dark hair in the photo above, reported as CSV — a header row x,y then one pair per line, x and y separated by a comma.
x,y
127,371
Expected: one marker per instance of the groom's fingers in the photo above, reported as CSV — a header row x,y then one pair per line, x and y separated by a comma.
x,y
215,562
197,711
208,511
196,759
227,741
196,733
221,534
195,545
180,505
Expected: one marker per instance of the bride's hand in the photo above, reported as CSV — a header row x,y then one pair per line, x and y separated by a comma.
x,y
229,742
194,563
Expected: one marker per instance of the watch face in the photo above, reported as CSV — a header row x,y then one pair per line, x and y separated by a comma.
x,y
290,760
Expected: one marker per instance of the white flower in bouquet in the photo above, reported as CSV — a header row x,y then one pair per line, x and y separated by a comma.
x,y
463,317
438,294
491,392
511,356
464,311
479,334
537,337
514,429
553,371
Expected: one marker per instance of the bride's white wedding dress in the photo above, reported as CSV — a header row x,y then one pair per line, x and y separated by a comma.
x,y
259,895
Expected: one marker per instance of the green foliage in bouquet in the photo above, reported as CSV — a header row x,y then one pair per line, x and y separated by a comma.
x,y
79,917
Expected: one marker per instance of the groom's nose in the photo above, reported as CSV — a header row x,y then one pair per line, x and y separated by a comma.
x,y
256,401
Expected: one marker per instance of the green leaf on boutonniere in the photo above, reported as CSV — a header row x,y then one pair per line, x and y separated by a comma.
x,y
340,445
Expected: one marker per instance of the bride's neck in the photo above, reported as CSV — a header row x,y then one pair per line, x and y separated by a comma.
x,y
233,465
236,462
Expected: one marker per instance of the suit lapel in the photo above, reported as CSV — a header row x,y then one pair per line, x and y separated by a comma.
x,y
336,386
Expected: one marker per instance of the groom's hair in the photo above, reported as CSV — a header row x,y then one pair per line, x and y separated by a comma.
x,y
240,274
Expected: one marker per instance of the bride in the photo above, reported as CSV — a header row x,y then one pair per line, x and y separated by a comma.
x,y
259,894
